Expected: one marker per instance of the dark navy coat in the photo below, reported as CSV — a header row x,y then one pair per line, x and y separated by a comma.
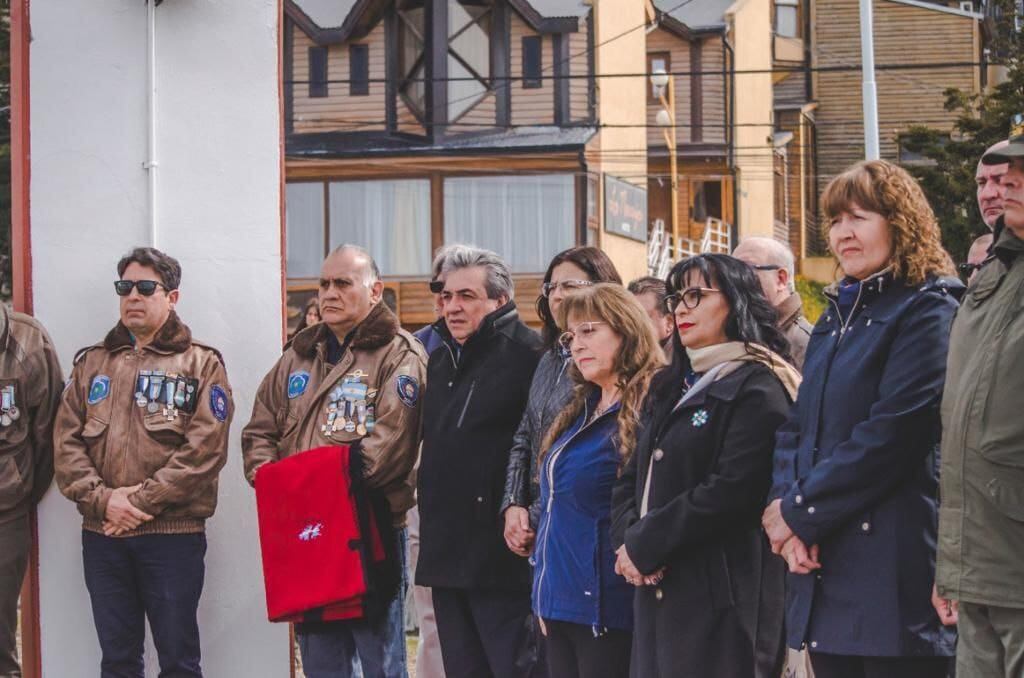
x,y
574,576
856,466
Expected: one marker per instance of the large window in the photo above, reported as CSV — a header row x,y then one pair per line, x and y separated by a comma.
x,y
391,219
526,219
412,60
304,214
787,18
467,54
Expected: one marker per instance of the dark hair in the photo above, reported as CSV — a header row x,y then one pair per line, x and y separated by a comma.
x,y
166,266
313,302
752,319
595,263
650,284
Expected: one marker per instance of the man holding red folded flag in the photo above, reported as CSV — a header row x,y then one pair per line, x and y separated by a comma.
x,y
353,380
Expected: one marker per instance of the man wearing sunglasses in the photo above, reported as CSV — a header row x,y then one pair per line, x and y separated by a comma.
x,y
140,437
30,385
775,267
354,379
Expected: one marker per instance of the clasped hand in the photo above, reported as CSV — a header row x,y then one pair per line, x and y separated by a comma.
x,y
799,558
121,515
625,568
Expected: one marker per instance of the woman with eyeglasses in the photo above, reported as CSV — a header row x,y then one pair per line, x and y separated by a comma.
x,y
584,608
686,509
569,272
853,508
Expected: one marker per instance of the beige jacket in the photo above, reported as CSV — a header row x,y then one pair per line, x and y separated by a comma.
x,y
104,440
30,374
384,368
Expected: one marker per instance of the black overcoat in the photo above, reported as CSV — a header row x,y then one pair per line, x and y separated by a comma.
x,y
718,611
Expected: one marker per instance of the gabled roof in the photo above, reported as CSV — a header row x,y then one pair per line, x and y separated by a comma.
x,y
329,22
696,14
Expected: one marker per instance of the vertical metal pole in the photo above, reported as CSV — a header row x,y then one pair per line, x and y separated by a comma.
x,y
868,89
151,162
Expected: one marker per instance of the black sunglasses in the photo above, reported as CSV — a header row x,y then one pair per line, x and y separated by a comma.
x,y
967,268
436,286
146,287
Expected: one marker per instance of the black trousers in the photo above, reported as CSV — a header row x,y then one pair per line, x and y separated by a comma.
x,y
846,666
158,577
485,633
573,651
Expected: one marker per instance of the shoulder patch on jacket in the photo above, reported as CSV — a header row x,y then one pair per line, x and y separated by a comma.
x,y
99,389
219,402
408,389
297,383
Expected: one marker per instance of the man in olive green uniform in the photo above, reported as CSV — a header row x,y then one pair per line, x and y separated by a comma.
x,y
980,569
30,385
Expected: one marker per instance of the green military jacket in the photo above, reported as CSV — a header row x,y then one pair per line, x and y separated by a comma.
x,y
981,517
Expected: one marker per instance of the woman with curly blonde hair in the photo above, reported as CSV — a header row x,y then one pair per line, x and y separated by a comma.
x,y
852,509
584,607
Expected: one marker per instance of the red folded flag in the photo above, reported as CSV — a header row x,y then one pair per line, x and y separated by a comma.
x,y
310,537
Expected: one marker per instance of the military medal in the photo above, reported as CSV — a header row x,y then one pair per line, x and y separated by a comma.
x,y
6,401
179,393
156,383
361,414
9,412
169,386
141,387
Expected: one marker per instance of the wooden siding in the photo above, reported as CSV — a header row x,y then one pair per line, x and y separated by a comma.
x,y
903,34
579,65
534,106
713,89
790,89
338,111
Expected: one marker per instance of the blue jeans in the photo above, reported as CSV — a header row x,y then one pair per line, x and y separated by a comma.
x,y
340,649
157,577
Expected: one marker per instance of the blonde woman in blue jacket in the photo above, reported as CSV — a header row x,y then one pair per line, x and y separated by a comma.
x,y
584,607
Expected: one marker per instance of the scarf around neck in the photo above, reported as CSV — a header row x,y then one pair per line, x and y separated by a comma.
x,y
736,353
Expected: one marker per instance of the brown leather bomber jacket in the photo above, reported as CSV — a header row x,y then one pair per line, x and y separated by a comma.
x,y
30,374
103,438
382,371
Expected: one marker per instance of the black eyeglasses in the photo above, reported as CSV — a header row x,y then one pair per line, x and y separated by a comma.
x,y
436,286
690,298
765,267
146,287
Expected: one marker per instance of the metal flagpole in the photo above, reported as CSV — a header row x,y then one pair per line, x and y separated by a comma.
x,y
868,90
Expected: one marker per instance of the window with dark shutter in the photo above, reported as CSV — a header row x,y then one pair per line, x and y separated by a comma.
x,y
359,70
532,65
317,71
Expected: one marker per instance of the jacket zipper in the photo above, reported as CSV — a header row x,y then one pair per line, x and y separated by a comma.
x,y
552,459
853,311
472,387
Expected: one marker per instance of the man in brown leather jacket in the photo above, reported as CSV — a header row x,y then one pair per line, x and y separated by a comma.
x,y
30,383
140,437
355,377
